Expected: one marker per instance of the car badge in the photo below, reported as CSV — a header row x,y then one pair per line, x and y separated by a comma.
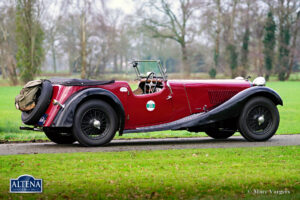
x,y
123,89
150,105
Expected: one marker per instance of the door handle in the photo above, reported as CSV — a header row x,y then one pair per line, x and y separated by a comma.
x,y
169,97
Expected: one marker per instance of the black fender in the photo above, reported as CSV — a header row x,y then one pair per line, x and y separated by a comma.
x,y
233,107
65,116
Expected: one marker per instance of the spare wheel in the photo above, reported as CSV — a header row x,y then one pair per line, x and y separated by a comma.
x,y
32,117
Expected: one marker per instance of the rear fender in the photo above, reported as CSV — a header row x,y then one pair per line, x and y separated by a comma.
x,y
66,115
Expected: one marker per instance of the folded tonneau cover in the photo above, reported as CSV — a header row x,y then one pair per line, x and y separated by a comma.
x,y
78,82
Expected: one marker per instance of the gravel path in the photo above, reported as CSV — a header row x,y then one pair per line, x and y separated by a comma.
x,y
147,144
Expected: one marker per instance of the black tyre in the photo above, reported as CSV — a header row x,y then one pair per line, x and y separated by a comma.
x,y
259,119
59,137
95,123
32,117
218,133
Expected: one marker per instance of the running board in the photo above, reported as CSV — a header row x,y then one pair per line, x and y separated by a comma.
x,y
168,126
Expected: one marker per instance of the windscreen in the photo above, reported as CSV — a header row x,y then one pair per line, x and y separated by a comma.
x,y
149,66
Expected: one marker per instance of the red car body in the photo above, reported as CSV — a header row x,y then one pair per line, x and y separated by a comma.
x,y
189,97
82,108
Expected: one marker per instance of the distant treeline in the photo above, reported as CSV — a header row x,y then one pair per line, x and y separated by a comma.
x,y
232,37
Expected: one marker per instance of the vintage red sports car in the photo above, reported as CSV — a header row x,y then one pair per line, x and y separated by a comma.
x,y
91,112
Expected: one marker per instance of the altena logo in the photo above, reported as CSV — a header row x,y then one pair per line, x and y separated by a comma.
x,y
26,184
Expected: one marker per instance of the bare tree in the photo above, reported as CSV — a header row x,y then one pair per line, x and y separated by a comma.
x,y
50,39
8,48
229,19
244,67
295,28
218,32
172,25
29,38
69,39
287,22
84,8
95,39
257,26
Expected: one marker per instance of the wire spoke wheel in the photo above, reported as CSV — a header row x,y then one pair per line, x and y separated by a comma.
x,y
95,124
259,120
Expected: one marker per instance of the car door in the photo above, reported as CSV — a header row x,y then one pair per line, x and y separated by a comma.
x,y
149,109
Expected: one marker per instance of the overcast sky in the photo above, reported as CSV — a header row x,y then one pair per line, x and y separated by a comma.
x,y
126,5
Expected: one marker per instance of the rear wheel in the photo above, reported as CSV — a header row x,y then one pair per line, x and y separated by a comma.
x,y
95,123
259,119
59,137
218,133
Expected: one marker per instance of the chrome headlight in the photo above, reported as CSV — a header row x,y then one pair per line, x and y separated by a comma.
x,y
239,78
259,81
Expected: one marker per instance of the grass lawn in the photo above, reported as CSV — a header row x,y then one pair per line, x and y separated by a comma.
x,y
169,174
10,119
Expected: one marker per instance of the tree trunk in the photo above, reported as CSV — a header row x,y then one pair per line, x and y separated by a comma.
x,y
217,40
2,63
232,20
126,61
102,69
230,44
185,65
292,55
83,46
121,63
260,61
53,57
70,60
293,47
29,38
283,40
115,63
217,51
3,70
12,74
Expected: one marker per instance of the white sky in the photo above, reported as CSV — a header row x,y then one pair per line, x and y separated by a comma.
x,y
126,5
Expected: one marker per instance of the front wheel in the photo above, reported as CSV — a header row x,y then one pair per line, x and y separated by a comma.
x,y
259,119
95,123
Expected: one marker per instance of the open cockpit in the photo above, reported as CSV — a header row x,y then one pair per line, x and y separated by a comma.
x,y
150,75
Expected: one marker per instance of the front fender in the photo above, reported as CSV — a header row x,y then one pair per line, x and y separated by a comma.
x,y
65,116
233,106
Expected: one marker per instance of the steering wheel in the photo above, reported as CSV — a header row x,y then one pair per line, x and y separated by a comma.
x,y
151,84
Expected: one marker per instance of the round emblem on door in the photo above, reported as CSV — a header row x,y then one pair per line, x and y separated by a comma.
x,y
150,105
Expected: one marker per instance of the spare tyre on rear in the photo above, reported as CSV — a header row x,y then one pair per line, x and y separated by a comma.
x,y
43,100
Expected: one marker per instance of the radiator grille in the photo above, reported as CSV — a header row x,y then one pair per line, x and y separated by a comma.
x,y
219,96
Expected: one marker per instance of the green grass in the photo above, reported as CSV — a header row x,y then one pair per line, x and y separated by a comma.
x,y
168,174
10,117
289,112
